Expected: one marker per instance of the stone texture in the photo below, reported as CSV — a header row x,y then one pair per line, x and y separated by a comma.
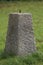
x,y
20,37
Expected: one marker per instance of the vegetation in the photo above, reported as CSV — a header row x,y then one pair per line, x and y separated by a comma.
x,y
21,0
36,8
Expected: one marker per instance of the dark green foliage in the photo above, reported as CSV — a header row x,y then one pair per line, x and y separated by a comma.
x,y
21,0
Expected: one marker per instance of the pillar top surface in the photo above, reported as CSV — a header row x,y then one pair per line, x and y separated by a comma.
x,y
20,13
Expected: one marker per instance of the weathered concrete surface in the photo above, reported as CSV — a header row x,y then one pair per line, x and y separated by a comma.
x,y
20,37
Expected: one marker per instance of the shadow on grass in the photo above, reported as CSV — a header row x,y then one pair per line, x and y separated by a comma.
x,y
4,55
30,59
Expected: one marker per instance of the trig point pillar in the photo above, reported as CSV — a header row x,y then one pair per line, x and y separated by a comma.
x,y
20,37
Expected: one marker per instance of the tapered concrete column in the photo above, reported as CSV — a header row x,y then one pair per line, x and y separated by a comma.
x,y
20,37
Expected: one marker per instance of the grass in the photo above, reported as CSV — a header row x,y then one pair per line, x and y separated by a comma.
x,y
36,8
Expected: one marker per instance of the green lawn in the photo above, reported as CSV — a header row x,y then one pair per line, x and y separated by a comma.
x,y
36,8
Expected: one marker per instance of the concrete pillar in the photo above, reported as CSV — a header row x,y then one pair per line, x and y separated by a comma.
x,y
20,36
